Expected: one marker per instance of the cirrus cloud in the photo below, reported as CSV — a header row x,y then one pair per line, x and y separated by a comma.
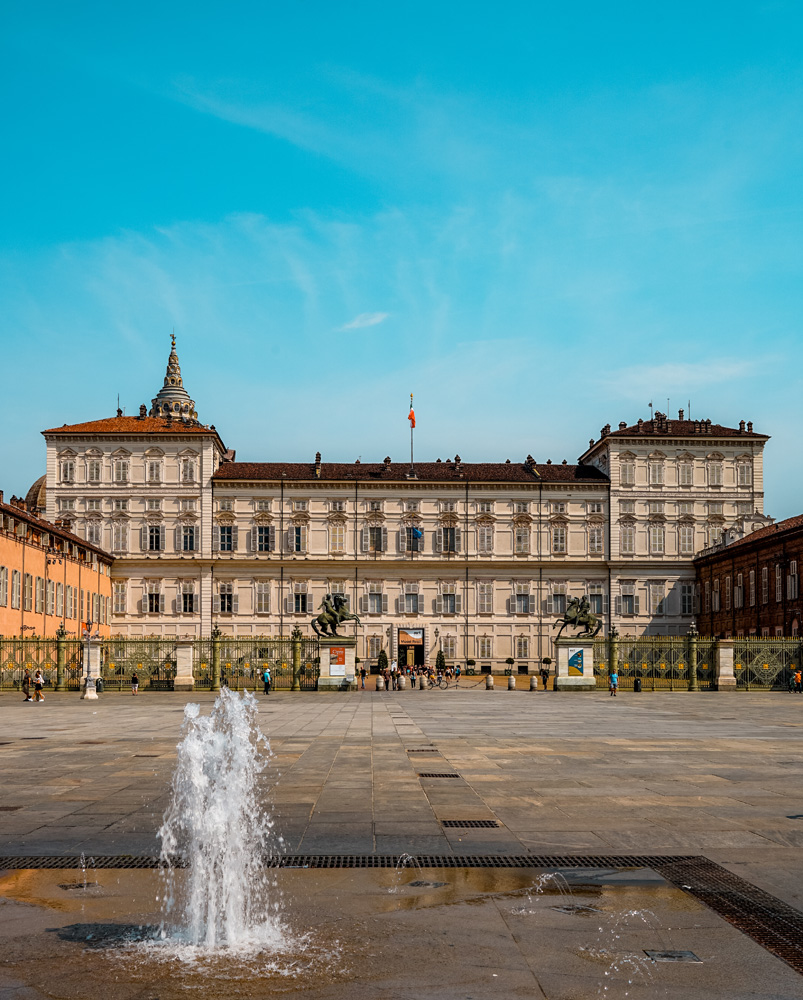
x,y
363,320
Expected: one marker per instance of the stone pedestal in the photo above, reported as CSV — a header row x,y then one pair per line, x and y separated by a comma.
x,y
338,663
574,667
184,679
91,671
724,678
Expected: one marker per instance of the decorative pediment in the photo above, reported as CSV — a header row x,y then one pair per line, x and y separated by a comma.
x,y
449,520
657,518
188,453
375,519
715,456
263,518
558,519
224,517
486,519
67,453
120,515
299,517
187,517
627,456
684,456
121,453
656,456
93,453
153,453
527,518
627,519
596,519
686,519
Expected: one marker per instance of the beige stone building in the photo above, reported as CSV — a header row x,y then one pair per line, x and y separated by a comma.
x,y
476,559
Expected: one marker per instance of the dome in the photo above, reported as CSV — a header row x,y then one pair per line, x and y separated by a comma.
x,y
35,498
173,399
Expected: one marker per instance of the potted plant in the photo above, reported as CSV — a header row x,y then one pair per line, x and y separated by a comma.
x,y
382,661
440,662
470,664
509,669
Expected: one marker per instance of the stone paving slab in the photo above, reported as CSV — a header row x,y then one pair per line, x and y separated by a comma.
x,y
656,773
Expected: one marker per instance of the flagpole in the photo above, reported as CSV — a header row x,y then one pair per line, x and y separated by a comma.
x,y
412,428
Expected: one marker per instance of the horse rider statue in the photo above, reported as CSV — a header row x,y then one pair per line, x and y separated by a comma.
x,y
334,612
579,615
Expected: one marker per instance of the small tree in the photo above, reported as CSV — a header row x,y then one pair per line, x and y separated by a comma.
x,y
382,661
440,662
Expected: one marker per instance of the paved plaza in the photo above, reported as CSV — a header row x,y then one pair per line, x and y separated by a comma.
x,y
712,774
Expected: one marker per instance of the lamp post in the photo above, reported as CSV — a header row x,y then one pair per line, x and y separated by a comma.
x,y
61,635
214,684
91,652
296,651
691,656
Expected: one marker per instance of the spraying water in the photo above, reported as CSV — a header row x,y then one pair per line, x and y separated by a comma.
x,y
217,829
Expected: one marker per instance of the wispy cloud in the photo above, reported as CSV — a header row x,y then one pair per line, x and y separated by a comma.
x,y
363,320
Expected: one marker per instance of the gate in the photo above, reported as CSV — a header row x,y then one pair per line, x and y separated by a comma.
x,y
153,660
660,662
243,661
17,655
764,664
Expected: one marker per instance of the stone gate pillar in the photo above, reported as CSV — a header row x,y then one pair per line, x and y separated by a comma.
x,y
724,679
574,667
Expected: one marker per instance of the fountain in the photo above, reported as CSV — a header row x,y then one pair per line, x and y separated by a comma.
x,y
216,834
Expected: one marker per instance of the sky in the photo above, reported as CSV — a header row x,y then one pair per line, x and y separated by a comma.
x,y
538,218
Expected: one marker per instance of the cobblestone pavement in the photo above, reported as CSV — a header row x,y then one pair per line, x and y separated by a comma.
x,y
713,774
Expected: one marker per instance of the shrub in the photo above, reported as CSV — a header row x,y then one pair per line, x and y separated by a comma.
x,y
440,661
382,660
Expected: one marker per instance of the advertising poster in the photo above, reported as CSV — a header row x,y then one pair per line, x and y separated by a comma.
x,y
575,661
337,661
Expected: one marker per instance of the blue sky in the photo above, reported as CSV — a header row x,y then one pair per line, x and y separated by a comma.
x,y
535,217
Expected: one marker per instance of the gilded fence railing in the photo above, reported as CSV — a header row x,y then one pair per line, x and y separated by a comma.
x,y
761,663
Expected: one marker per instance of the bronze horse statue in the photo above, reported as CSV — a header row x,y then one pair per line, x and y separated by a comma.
x,y
579,615
333,613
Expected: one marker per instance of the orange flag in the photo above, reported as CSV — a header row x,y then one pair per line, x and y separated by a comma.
x,y
411,417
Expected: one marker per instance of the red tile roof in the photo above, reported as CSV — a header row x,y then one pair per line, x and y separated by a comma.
x,y
684,428
760,535
133,425
38,522
477,472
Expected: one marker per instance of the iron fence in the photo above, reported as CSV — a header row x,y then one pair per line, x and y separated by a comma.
x,y
661,663
761,663
153,660
243,661
32,654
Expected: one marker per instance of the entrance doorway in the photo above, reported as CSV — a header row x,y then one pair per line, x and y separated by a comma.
x,y
411,647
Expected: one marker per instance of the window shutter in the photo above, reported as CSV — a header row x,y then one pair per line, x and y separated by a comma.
x,y
606,604
215,538
271,538
176,607
384,539
234,534
364,605
550,605
365,539
177,538
216,604
399,605
636,605
617,605
439,540
287,604
161,602
439,601
290,540
403,539
458,535
140,605
161,538
303,538
532,605
143,538
235,603
458,598
252,540
384,604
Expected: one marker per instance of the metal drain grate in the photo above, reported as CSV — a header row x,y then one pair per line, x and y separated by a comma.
x,y
423,750
9,809
469,824
769,921
437,774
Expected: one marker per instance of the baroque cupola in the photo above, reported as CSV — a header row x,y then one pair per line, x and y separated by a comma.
x,y
173,400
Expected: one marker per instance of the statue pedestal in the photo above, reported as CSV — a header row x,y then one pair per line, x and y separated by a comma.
x,y
574,667
91,671
184,679
338,662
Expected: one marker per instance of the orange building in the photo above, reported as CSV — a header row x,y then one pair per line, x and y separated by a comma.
x,y
49,577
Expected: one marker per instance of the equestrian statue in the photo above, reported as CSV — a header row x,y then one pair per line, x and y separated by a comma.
x,y
334,611
579,615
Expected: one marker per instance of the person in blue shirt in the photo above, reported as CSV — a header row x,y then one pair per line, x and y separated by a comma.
x,y
614,683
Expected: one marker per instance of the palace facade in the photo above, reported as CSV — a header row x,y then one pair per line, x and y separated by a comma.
x,y
476,559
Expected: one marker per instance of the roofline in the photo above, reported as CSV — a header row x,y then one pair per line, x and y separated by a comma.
x,y
68,432
414,483
637,438
38,522
744,544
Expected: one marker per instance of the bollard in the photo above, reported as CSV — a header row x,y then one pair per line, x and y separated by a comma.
x,y
402,682
489,682
422,682
534,682
511,683
380,682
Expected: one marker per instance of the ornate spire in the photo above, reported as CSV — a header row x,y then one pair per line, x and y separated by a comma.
x,y
173,399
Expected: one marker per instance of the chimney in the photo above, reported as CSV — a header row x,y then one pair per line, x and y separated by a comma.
x,y
622,425
640,426
749,426
681,414
741,426
591,442
386,463
457,463
317,465
1,496
564,462
143,411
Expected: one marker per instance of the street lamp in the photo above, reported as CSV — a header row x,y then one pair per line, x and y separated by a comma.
x,y
90,687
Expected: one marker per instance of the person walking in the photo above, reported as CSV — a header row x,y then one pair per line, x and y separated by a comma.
x,y
363,672
456,674
38,684
614,683
798,681
26,685
266,679
135,683
545,676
